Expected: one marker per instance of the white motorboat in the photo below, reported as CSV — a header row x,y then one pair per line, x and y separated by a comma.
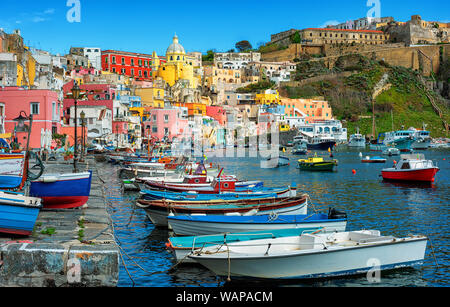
x,y
357,140
391,151
312,255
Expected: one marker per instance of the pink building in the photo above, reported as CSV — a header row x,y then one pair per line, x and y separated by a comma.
x,y
168,123
44,105
218,113
97,95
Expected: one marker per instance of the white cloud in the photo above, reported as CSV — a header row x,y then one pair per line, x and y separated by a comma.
x,y
329,23
38,19
49,11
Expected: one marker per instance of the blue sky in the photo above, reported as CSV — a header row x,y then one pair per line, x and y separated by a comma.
x,y
147,26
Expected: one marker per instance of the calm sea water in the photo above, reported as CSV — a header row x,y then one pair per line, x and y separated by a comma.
x,y
394,209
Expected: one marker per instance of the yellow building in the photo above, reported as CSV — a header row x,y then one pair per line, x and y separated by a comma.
x,y
214,76
151,96
26,75
328,36
179,66
268,97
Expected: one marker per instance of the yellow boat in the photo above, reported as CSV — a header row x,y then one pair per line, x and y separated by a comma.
x,y
317,164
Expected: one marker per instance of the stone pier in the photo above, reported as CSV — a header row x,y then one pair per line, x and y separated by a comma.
x,y
73,247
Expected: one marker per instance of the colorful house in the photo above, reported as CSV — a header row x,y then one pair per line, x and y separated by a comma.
x,y
44,105
313,109
193,108
97,95
218,113
166,123
136,65
268,97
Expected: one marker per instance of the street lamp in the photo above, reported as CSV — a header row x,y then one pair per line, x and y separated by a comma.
x,y
83,116
76,94
21,127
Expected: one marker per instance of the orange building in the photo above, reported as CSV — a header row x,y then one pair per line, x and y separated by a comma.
x,y
314,109
193,108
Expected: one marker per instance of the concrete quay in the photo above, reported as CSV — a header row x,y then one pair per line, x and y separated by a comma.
x,y
68,248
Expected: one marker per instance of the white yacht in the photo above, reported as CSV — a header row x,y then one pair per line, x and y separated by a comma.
x,y
422,139
324,134
357,140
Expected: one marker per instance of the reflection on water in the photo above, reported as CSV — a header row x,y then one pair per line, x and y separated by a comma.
x,y
398,209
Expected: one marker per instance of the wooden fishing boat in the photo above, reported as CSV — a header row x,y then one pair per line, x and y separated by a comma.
x,y
159,210
373,160
312,255
18,213
182,196
190,225
219,185
182,247
12,170
317,164
62,191
411,168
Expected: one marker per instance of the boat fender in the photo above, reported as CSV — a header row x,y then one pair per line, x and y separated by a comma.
x,y
251,213
49,179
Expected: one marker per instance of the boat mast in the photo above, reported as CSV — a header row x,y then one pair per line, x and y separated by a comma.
x,y
373,118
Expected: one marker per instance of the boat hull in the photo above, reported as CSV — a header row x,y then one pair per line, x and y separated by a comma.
x,y
189,226
421,145
182,247
374,161
317,167
158,214
321,146
18,220
318,264
422,175
64,192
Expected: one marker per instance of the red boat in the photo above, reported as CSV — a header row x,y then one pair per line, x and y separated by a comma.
x,y
413,168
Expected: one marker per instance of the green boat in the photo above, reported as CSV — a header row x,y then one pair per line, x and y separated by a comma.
x,y
317,164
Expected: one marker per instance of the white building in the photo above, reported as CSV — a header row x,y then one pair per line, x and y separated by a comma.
x,y
95,56
98,120
236,61
8,69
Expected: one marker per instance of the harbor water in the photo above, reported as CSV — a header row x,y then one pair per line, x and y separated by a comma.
x,y
396,209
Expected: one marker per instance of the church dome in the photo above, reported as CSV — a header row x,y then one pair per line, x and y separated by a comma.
x,y
175,47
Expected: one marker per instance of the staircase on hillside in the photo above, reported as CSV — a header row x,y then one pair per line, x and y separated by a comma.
x,y
433,103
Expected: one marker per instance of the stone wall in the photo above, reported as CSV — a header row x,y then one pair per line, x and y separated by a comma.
x,y
289,54
421,58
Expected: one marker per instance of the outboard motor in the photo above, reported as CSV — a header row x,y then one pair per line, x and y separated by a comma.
x,y
334,214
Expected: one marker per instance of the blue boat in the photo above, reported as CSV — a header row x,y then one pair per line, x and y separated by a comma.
x,y
186,196
11,170
375,159
63,191
181,247
189,225
18,213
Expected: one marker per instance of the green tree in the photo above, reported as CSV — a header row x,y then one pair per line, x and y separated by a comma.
x,y
296,38
243,46
209,57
